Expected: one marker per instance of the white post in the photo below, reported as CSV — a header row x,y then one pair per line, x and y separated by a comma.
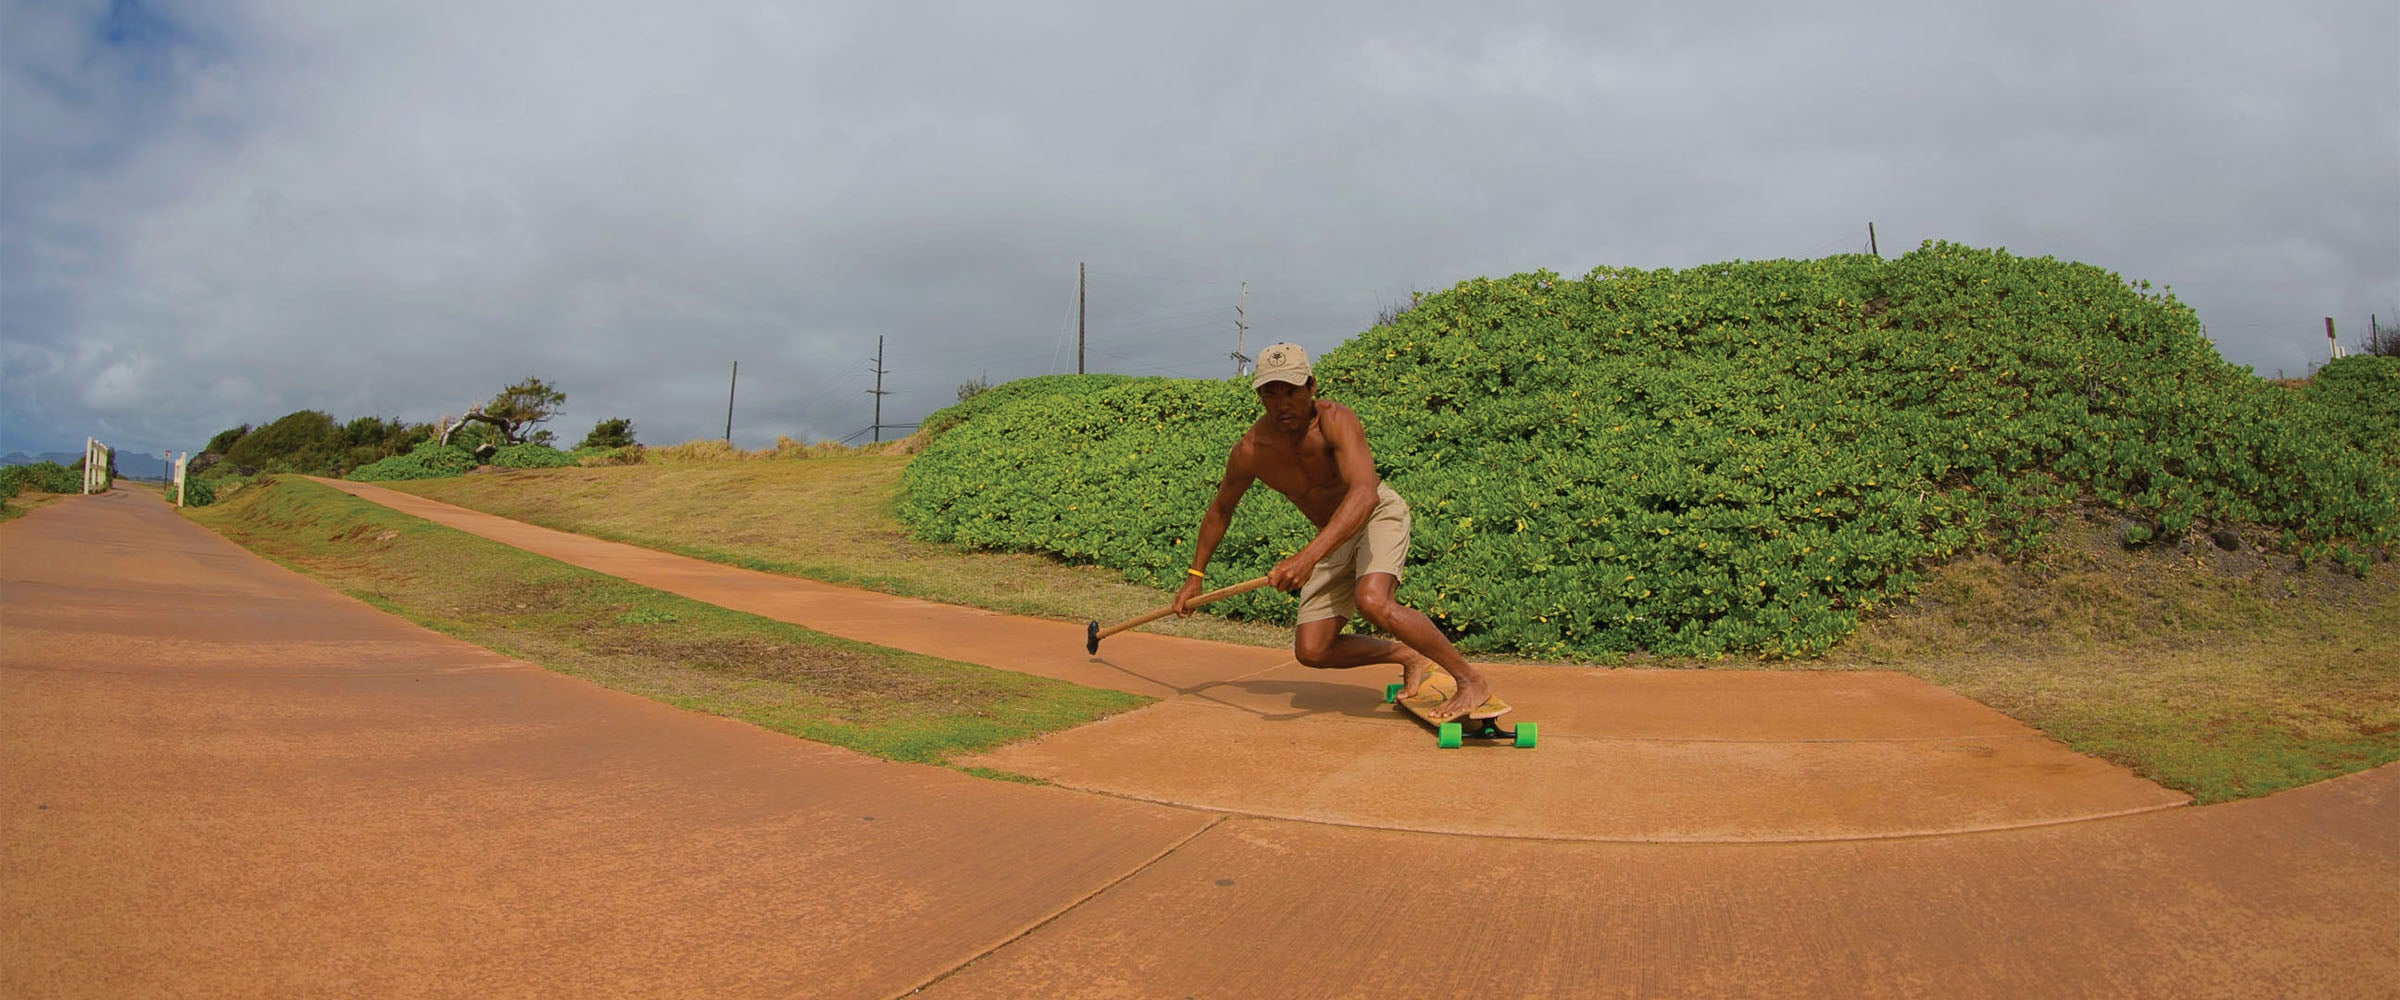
x,y
179,464
90,447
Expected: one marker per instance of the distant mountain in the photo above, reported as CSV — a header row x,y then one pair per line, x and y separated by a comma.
x,y
141,466
66,458
61,457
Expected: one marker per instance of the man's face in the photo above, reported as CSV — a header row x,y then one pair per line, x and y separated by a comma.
x,y
1289,406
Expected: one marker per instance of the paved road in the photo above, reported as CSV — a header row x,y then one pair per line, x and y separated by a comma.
x,y
223,780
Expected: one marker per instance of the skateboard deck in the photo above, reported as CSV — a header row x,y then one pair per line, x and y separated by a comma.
x,y
1482,723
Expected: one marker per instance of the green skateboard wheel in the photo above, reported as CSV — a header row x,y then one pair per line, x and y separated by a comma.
x,y
1525,734
1391,693
1451,736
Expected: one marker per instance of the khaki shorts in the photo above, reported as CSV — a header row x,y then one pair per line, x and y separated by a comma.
x,y
1380,547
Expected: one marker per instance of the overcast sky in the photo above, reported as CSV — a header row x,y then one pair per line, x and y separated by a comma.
x,y
218,213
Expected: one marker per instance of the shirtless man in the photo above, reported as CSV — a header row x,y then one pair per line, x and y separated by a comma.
x,y
1314,452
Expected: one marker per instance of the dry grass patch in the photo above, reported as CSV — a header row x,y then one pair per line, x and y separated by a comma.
x,y
2222,673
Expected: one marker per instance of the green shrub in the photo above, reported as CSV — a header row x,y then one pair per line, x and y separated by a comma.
x,y
196,492
304,441
1009,393
614,432
1739,457
531,456
427,461
2359,396
39,477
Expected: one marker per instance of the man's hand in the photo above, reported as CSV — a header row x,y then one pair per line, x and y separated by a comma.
x,y
1189,590
1288,575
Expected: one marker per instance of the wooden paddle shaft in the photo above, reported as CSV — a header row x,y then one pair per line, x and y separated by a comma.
x,y
1218,594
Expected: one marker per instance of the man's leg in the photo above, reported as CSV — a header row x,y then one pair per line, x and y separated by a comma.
x,y
1322,644
1419,635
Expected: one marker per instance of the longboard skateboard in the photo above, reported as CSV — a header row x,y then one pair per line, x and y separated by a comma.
x,y
1438,688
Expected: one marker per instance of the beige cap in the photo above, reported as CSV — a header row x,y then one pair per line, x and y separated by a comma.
x,y
1281,363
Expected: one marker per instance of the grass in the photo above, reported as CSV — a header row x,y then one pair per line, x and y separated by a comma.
x,y
22,504
825,519
2221,674
895,705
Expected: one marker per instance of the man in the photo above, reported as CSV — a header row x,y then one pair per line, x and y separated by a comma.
x,y
1314,452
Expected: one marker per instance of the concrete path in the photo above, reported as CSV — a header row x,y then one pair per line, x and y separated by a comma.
x,y
223,780
1625,755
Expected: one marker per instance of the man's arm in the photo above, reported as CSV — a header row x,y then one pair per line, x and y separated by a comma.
x,y
1348,439
1216,519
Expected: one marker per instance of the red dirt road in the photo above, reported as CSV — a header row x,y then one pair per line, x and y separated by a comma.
x,y
225,780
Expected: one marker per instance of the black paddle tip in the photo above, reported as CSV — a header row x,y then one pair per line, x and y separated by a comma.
x,y
1091,638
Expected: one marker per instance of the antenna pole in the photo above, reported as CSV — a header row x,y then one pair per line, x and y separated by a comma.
x,y
878,392
730,404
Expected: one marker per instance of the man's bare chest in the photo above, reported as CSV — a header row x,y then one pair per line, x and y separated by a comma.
x,y
1307,469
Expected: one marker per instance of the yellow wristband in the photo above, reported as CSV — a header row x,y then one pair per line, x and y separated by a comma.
x,y
1195,572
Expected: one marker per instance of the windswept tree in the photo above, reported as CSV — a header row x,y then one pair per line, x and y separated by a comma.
x,y
518,409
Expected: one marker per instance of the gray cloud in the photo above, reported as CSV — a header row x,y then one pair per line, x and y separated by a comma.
x,y
217,214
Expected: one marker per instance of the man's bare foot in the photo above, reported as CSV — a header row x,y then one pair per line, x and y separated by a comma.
x,y
1414,667
1471,695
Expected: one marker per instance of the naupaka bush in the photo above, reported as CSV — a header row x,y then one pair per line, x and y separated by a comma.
x,y
1741,457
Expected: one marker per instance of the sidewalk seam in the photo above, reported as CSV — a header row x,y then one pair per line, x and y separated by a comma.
x,y
1964,831
1077,903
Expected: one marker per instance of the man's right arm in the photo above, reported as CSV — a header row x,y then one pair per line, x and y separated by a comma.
x,y
1214,521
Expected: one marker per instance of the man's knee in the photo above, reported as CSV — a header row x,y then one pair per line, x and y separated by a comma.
x,y
1313,650
1376,604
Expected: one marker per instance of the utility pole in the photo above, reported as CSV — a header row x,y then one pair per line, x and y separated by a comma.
x,y
1079,317
1871,247
1241,330
729,387
878,392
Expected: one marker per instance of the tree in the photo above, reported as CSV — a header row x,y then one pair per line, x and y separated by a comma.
x,y
369,439
614,432
225,439
973,387
519,408
308,442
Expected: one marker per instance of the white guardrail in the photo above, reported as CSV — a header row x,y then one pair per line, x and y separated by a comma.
x,y
97,459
